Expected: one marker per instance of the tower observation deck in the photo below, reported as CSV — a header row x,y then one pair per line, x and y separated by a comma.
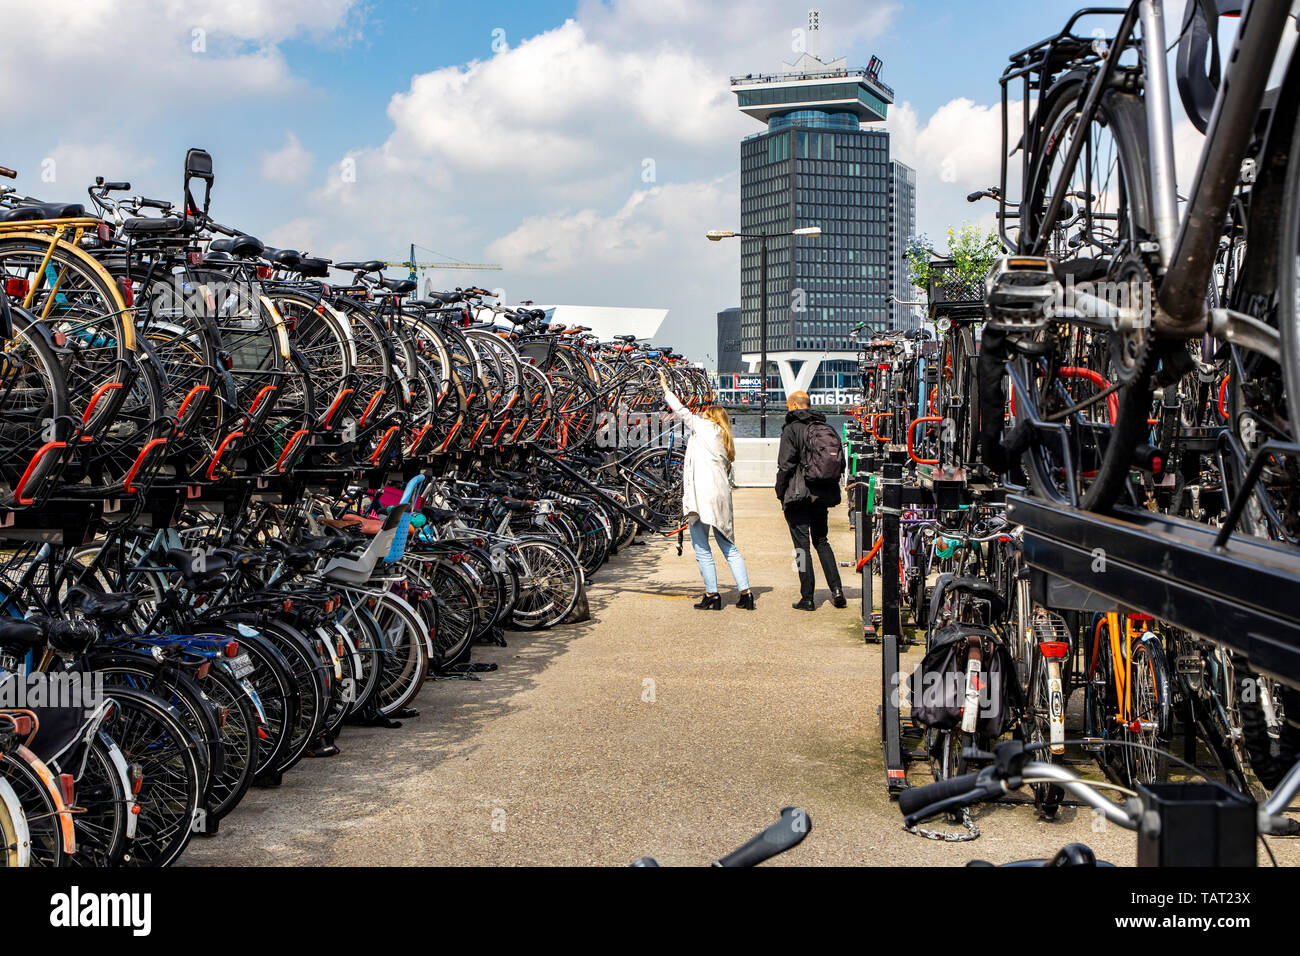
x,y
821,159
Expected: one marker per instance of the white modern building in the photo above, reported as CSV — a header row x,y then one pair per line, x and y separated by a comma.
x,y
609,321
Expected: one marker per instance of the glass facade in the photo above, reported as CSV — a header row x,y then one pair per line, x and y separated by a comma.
x,y
902,226
809,168
811,94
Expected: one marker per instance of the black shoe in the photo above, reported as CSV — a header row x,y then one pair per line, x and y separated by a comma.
x,y
746,601
805,604
710,602
837,598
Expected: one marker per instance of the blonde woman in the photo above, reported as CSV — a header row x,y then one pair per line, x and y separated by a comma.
x,y
706,496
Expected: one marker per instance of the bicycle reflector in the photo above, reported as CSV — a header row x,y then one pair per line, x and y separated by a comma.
x,y
1054,650
67,788
17,287
232,648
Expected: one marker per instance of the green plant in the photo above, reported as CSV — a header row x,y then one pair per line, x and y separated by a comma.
x,y
971,250
920,256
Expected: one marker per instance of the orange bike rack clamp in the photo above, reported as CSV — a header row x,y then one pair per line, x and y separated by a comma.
x,y
911,429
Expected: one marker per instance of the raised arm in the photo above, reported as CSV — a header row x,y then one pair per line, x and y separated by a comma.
x,y
684,414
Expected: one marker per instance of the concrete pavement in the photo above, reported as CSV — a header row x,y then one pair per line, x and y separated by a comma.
x,y
651,729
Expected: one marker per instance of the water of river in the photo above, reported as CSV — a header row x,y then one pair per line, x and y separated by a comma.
x,y
745,424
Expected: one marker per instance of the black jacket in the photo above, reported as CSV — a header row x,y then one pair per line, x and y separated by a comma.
x,y
791,487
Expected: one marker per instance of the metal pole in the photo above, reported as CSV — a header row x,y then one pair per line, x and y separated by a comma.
x,y
1160,127
762,333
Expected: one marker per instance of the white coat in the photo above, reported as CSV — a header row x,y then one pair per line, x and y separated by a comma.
x,y
706,472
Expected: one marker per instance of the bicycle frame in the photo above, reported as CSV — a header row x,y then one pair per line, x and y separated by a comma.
x,y
1185,250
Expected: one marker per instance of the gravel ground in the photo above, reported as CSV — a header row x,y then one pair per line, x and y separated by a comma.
x,y
651,729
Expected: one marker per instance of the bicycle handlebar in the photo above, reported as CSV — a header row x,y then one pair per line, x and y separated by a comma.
x,y
787,833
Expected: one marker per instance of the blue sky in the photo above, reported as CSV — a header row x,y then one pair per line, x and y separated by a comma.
x,y
509,132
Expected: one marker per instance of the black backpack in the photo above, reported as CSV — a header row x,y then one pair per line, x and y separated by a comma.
x,y
822,456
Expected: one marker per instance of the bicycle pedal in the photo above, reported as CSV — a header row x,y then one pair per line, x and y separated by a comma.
x,y
1021,292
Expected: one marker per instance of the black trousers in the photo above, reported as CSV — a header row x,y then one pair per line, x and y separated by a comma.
x,y
807,520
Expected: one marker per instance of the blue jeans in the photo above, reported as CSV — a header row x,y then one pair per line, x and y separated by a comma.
x,y
704,555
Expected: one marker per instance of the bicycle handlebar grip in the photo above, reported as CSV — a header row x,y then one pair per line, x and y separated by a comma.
x,y
918,798
786,833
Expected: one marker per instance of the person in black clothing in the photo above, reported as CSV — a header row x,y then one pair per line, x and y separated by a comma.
x,y
805,503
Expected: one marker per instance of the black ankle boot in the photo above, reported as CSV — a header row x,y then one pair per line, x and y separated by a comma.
x,y
746,601
710,602
837,598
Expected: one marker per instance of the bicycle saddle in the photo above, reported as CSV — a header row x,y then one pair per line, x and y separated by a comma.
x,y
370,265
400,286
241,247
112,606
979,588
45,210
193,565
21,635
241,558
288,258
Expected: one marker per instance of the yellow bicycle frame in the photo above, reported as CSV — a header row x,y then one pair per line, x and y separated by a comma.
x,y
52,232
1121,656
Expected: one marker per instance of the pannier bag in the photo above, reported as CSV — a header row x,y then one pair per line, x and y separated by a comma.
x,y
938,685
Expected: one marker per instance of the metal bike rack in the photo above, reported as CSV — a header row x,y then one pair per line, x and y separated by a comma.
x,y
1244,595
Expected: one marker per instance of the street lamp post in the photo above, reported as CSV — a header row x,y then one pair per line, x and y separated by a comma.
x,y
717,235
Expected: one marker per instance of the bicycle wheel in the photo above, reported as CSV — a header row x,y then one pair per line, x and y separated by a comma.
x,y
101,795
1272,744
240,742
1151,714
72,296
33,410
549,584
1288,293
151,733
1093,384
40,810
404,659
15,840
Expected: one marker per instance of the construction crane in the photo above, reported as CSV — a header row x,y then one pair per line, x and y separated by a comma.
x,y
413,265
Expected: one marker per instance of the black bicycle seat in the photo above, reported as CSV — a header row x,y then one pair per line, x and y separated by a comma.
x,y
45,210
20,635
193,565
400,286
981,589
370,265
286,258
241,247
110,606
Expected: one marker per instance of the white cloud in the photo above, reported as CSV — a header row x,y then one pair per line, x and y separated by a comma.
x,y
660,224
78,59
291,163
536,156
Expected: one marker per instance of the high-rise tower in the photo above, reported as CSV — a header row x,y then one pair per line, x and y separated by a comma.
x,y
819,161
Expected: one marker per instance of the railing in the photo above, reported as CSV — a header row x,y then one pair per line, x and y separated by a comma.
x,y
824,75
